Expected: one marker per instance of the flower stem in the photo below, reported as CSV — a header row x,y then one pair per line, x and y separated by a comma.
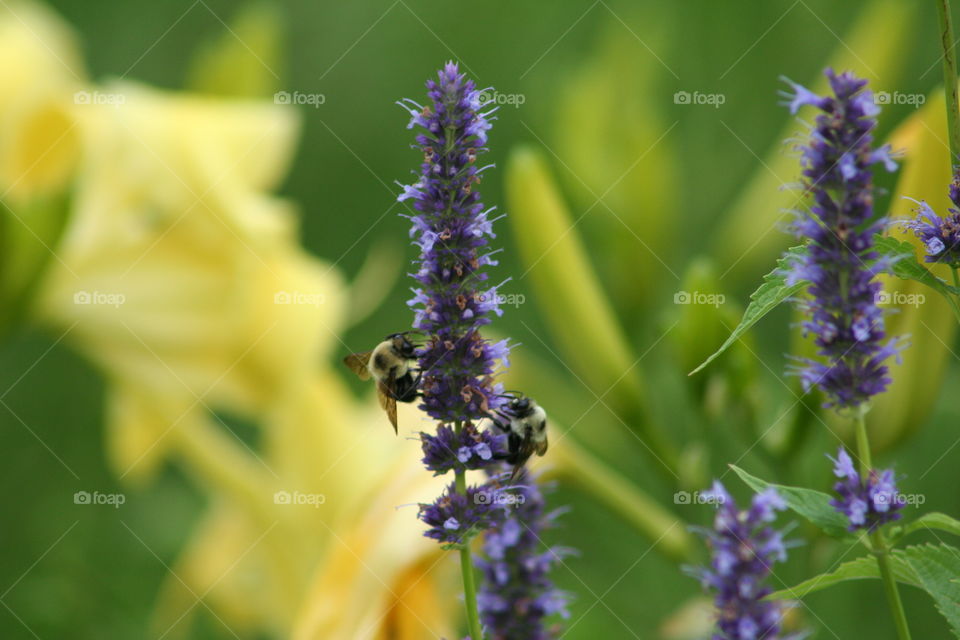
x,y
880,549
466,565
949,77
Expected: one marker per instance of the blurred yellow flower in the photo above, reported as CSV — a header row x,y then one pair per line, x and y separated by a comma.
x,y
180,276
40,70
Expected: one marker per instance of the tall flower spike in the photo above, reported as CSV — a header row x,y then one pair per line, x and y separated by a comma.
x,y
743,549
517,594
940,236
869,503
452,229
841,263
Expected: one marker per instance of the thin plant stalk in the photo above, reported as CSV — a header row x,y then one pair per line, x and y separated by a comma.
x,y
466,566
950,77
878,542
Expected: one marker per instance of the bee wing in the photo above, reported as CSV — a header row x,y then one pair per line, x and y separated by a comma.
x,y
524,452
388,403
542,446
357,362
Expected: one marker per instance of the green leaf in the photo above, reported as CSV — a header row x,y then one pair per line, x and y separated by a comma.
x,y
937,568
860,569
771,293
927,521
812,505
906,266
933,568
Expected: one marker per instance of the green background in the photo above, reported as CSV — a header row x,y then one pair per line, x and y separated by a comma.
x,y
100,581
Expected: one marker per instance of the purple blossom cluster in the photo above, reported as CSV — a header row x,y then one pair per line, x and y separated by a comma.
x,y
452,229
454,518
517,594
867,503
744,548
940,236
471,449
841,264
452,302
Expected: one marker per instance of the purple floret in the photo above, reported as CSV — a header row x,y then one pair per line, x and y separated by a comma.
x,y
517,594
743,549
867,503
452,229
940,235
841,263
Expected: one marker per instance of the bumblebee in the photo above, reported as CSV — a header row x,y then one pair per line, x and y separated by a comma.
x,y
525,423
392,363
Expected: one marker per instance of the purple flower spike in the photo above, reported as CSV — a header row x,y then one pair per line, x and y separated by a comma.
x,y
455,518
940,236
744,548
472,449
452,229
841,263
516,594
868,504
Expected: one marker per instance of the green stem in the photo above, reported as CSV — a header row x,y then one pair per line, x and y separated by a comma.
x,y
879,544
466,566
949,77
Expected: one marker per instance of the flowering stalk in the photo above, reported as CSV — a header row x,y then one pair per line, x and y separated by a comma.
x,y
517,593
743,549
949,77
452,230
841,265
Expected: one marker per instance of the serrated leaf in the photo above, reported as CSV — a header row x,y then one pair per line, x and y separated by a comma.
x,y
812,505
906,266
768,296
933,520
863,568
937,568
